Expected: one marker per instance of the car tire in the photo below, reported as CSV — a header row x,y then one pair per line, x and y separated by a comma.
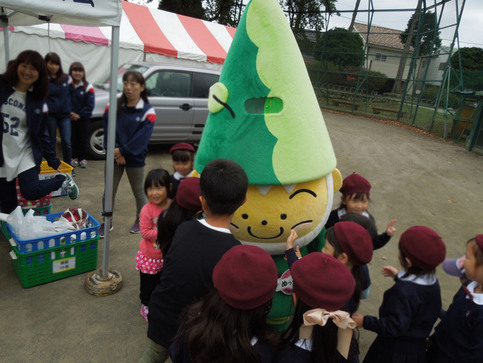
x,y
96,140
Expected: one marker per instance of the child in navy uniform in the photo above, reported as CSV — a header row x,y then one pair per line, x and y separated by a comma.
x,y
459,336
183,156
355,199
196,248
59,104
83,100
322,286
235,311
186,206
409,308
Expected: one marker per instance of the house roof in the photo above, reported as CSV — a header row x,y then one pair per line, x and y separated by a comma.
x,y
380,36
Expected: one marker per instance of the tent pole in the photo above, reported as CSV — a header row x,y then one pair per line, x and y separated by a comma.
x,y
109,281
111,138
6,44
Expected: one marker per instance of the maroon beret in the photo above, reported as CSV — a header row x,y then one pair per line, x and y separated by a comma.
x,y
188,194
355,183
322,281
423,247
479,241
182,146
245,277
355,241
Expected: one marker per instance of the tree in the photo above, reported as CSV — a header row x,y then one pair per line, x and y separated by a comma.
x,y
341,47
226,12
192,8
428,33
307,14
471,70
471,59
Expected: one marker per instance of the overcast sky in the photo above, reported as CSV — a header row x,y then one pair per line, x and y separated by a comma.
x,y
470,29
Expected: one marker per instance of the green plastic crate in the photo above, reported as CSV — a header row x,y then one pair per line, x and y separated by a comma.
x,y
52,264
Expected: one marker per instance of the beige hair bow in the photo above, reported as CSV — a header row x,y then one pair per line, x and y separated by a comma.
x,y
341,319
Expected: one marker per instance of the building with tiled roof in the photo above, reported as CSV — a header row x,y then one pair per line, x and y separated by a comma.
x,y
384,49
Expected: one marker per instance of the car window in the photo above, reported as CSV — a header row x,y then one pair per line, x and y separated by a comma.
x,y
169,84
202,83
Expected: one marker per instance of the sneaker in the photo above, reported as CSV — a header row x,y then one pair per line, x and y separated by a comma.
x,y
74,162
144,312
83,163
135,227
70,187
102,230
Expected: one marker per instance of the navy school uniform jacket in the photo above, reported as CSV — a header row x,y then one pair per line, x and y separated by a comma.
x,y
37,125
382,239
134,126
59,99
82,101
407,313
459,336
180,354
186,276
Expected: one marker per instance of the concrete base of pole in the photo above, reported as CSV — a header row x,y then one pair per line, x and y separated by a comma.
x,y
97,285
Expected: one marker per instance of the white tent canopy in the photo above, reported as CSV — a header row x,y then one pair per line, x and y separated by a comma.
x,y
89,12
145,35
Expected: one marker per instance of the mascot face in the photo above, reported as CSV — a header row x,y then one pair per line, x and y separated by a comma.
x,y
268,215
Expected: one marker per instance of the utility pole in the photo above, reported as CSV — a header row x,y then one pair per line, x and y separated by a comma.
x,y
407,45
354,15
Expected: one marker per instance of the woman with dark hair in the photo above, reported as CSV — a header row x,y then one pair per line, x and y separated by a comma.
x,y
59,105
229,324
83,100
134,126
25,141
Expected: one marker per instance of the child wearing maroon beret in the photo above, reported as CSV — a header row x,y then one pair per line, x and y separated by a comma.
x,y
355,199
411,306
229,324
459,336
183,157
319,331
186,206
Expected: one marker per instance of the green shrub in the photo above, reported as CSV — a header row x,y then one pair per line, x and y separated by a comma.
x,y
431,92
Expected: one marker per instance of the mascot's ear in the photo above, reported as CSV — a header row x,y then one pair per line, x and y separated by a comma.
x,y
337,178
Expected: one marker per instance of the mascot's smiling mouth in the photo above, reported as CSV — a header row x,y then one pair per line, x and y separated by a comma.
x,y
297,226
249,229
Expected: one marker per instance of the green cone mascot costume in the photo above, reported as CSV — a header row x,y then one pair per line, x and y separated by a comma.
x,y
265,116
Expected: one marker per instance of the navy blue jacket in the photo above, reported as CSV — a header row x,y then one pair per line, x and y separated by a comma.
x,y
459,336
134,126
408,313
36,122
82,100
59,99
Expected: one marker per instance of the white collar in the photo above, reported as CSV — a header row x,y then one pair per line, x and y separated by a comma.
x,y
477,297
80,84
305,344
342,211
219,229
426,280
178,176
139,105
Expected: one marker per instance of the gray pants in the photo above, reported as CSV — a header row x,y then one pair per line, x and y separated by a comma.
x,y
136,180
155,353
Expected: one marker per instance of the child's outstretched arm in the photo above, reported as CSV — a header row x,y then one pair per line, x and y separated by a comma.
x,y
390,230
291,254
389,271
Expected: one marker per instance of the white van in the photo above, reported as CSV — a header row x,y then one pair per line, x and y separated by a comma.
x,y
179,95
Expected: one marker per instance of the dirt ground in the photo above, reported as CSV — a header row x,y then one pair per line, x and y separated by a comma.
x,y
417,179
